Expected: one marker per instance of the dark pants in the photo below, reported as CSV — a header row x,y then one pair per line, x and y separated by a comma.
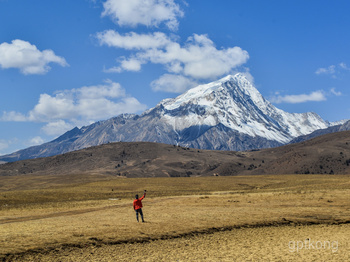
x,y
137,214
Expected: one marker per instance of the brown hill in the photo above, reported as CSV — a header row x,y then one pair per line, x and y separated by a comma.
x,y
328,154
130,159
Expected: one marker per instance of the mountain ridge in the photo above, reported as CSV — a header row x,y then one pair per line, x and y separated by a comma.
x,y
261,119
227,114
327,154
332,129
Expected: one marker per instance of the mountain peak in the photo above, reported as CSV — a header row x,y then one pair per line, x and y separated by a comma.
x,y
228,93
235,103
227,114
234,77
199,92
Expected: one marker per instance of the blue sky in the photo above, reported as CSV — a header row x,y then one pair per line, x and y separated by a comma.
x,y
67,63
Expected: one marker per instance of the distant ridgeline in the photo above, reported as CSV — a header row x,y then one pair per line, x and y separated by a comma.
x,y
228,114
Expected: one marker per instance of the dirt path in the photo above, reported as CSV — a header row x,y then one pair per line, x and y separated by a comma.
x,y
71,212
56,214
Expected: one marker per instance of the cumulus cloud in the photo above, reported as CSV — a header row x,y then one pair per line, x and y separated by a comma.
x,y
315,96
130,65
150,13
89,103
36,141
198,58
173,83
27,58
133,40
56,128
68,108
13,116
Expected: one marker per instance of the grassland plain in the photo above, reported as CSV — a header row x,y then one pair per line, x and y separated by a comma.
x,y
195,218
283,243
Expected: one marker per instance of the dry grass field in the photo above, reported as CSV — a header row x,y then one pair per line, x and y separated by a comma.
x,y
242,218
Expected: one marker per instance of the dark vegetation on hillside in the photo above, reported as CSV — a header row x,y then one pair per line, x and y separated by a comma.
x,y
327,154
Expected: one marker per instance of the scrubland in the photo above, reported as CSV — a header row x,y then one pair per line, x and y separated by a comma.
x,y
242,218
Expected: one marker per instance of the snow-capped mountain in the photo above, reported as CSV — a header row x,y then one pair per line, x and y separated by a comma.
x,y
235,103
228,114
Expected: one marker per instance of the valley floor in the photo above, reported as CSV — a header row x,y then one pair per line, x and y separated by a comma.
x,y
269,218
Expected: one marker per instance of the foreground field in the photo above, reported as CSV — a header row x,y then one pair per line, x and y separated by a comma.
x,y
284,243
203,218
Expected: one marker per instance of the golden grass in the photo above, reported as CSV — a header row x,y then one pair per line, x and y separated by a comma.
x,y
300,243
78,218
56,194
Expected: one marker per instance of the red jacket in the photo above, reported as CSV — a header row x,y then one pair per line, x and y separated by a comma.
x,y
137,204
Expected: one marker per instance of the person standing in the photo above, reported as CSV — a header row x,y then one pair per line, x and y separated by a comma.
x,y
137,204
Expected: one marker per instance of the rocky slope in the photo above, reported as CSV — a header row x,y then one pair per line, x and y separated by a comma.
x,y
332,129
228,114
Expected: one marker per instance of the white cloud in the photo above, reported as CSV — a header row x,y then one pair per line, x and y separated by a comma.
x,y
131,65
315,96
114,69
328,70
36,141
334,92
133,40
126,65
332,70
27,58
173,83
68,108
86,103
143,12
110,89
198,58
53,107
13,116
56,128
344,66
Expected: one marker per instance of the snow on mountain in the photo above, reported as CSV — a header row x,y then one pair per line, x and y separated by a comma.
x,y
228,114
235,103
